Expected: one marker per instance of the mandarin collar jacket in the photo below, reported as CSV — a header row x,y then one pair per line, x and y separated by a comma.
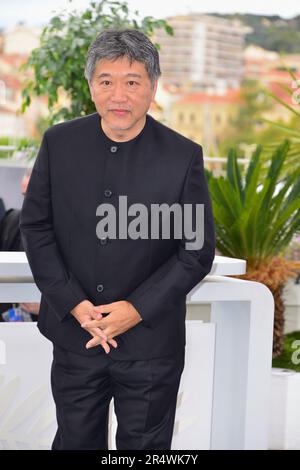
x,y
78,168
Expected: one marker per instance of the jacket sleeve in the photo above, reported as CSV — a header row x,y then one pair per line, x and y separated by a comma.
x,y
166,286
59,286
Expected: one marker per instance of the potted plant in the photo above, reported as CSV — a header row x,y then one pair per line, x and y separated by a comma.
x,y
256,220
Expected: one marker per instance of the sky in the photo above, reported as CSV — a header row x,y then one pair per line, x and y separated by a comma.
x,y
38,12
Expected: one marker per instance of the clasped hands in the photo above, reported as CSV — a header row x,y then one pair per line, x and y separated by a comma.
x,y
122,316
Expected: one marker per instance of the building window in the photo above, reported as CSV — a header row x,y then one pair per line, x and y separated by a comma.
x,y
180,117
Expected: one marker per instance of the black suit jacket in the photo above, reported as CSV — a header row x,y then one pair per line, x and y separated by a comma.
x,y
75,171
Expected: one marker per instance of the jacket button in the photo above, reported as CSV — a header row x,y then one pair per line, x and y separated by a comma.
x,y
113,149
107,193
100,288
103,241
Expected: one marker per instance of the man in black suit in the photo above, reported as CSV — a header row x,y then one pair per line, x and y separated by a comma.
x,y
103,291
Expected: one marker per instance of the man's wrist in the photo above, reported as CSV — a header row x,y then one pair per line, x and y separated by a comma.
x,y
77,307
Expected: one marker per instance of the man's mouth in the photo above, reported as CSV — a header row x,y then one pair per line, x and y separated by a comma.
x,y
120,112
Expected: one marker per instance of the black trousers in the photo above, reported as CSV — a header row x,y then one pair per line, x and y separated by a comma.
x,y
144,392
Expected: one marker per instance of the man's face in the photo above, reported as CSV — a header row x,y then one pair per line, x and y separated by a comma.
x,y
122,93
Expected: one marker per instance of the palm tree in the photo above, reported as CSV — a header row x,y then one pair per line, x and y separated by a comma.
x,y
256,221
292,130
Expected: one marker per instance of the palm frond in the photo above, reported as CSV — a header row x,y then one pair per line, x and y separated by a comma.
x,y
255,219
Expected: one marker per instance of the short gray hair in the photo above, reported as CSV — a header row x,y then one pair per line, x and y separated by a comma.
x,y
114,43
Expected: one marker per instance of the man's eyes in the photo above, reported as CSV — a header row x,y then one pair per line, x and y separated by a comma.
x,y
107,83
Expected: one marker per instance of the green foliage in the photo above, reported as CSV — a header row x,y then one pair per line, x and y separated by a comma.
x,y
250,126
290,347
256,220
58,64
28,145
292,129
246,128
271,32
255,101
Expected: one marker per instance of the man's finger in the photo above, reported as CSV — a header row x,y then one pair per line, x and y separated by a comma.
x,y
95,342
99,337
105,308
113,342
96,316
106,332
99,324
100,333
96,332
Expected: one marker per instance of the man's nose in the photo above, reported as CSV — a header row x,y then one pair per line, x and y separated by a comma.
x,y
119,93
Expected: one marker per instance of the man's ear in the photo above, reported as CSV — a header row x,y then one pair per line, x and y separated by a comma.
x,y
91,91
154,91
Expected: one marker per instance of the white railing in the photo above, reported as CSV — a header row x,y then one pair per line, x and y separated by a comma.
x,y
223,400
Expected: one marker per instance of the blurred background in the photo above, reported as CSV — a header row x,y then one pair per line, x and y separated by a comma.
x,y
218,68
230,82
